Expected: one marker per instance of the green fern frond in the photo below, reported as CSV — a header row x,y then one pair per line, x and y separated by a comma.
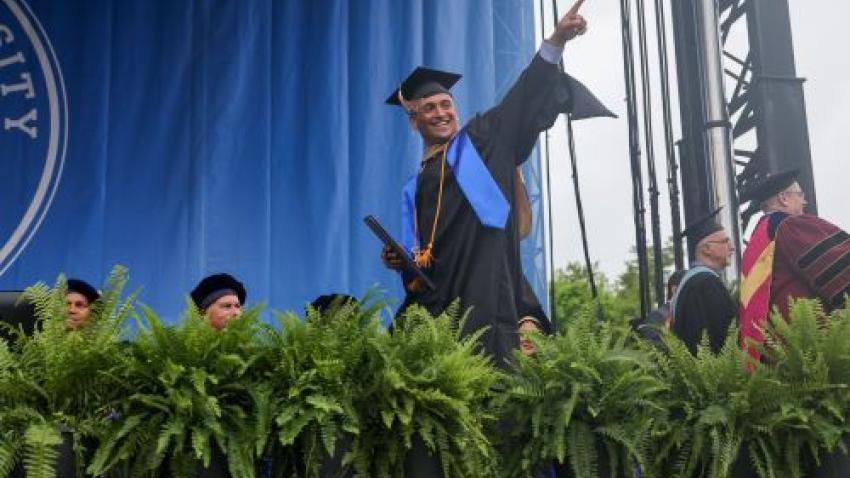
x,y
11,444
582,450
41,442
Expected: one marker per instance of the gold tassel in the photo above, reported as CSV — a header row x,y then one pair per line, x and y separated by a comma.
x,y
415,285
424,258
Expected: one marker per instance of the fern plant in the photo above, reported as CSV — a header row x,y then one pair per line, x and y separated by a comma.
x,y
728,415
810,354
57,380
189,395
315,370
587,389
709,408
425,382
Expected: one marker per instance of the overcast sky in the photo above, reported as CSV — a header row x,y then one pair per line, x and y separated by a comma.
x,y
603,154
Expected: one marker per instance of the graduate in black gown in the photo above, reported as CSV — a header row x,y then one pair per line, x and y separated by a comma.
x,y
702,303
460,223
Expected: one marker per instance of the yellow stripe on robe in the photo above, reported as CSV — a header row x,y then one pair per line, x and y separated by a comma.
x,y
760,272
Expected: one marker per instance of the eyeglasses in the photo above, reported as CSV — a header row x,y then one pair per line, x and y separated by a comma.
x,y
798,192
721,241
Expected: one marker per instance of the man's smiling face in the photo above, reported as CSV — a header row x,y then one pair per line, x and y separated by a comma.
x,y
435,118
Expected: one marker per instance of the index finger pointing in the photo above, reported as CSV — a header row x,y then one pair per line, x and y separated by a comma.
x,y
574,9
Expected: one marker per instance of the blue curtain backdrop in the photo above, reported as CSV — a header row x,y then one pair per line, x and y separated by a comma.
x,y
244,136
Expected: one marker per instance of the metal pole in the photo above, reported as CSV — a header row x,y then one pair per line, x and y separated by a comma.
x,y
718,130
588,264
672,166
634,154
693,163
574,165
655,218
553,296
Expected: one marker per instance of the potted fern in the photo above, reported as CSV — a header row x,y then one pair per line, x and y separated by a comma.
x,y
314,372
423,409
729,417
585,402
187,410
810,351
708,402
837,355
58,386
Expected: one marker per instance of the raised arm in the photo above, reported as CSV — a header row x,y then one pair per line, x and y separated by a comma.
x,y
540,94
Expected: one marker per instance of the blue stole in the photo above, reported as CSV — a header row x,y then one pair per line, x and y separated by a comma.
x,y
697,268
474,179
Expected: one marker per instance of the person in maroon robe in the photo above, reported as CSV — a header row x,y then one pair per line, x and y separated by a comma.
x,y
812,255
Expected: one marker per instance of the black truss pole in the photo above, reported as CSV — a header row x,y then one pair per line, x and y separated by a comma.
x,y
672,166
777,94
655,218
574,164
634,153
693,162
580,208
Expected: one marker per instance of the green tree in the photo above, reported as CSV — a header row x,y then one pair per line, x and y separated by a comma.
x,y
573,297
617,299
627,282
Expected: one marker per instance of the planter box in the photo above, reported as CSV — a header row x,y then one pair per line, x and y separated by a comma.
x,y
17,472
217,469
832,465
218,466
602,468
420,463
743,468
331,466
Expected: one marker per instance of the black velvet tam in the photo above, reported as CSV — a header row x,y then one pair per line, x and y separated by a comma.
x,y
216,284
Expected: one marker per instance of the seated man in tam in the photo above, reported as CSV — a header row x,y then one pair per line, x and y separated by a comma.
x,y
219,298
790,255
78,301
702,304
463,213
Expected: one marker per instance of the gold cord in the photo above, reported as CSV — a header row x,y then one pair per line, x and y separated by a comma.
x,y
425,257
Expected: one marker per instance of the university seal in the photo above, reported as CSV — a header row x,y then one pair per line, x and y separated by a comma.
x,y
33,127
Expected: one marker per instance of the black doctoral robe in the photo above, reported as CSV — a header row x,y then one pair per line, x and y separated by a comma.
x,y
481,265
703,304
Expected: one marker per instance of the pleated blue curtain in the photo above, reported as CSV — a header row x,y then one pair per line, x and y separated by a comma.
x,y
247,137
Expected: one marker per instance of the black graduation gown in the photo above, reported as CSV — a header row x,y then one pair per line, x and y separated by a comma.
x,y
481,265
703,304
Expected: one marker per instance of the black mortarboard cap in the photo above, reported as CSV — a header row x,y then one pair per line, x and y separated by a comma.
x,y
424,82
702,227
84,288
762,188
213,287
